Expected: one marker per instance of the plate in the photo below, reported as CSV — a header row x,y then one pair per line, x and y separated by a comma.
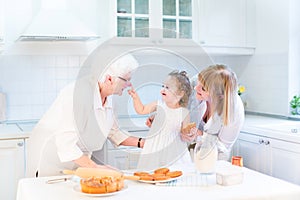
x,y
160,181
77,189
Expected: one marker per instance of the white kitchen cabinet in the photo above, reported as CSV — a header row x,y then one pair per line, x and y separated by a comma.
x,y
12,159
163,23
285,160
226,23
219,26
140,15
123,158
254,151
275,157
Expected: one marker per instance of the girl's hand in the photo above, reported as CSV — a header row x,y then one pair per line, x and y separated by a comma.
x,y
132,93
190,136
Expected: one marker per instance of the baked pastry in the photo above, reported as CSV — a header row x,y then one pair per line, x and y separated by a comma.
x,y
174,174
160,177
159,174
147,177
188,127
163,170
98,185
140,173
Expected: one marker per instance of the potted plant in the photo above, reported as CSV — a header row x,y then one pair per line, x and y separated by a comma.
x,y
241,89
295,105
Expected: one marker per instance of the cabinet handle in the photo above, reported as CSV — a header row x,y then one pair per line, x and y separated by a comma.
x,y
260,141
20,144
267,142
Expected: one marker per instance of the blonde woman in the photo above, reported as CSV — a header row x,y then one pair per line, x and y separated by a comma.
x,y
224,111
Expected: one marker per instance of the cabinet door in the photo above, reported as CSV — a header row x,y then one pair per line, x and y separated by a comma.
x,y
285,160
12,167
223,23
133,18
252,151
123,158
118,158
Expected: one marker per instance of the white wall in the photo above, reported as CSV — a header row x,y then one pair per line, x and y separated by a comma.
x,y
266,75
271,75
32,82
294,49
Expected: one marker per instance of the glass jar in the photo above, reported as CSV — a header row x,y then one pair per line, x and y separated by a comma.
x,y
206,154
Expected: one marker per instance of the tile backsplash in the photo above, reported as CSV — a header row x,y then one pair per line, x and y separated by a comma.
x,y
31,83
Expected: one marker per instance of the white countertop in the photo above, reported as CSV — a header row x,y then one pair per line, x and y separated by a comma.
x,y
255,124
12,131
17,129
272,127
255,186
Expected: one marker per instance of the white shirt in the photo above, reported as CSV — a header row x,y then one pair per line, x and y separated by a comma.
x,y
57,140
228,134
163,145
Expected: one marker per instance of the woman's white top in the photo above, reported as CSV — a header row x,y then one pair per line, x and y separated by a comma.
x,y
55,141
163,145
228,134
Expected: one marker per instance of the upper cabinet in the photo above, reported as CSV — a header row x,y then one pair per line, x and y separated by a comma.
x,y
139,18
219,26
222,22
227,24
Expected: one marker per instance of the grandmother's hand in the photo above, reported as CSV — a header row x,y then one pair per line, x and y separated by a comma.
x,y
149,121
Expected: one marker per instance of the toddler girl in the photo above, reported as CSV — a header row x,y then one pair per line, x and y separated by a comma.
x,y
163,145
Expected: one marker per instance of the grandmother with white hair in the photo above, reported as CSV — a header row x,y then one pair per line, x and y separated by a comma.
x,y
79,122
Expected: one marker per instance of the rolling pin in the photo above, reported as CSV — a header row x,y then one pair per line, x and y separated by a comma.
x,y
85,172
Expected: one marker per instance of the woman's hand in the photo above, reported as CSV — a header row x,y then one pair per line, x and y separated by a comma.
x,y
191,135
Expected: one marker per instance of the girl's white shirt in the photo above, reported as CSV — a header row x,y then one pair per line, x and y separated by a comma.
x,y
163,145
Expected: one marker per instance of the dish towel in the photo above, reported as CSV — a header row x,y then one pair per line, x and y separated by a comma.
x,y
192,179
226,174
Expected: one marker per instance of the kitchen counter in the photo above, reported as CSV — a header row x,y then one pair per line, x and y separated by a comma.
x,y
16,129
255,186
284,129
12,131
261,125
